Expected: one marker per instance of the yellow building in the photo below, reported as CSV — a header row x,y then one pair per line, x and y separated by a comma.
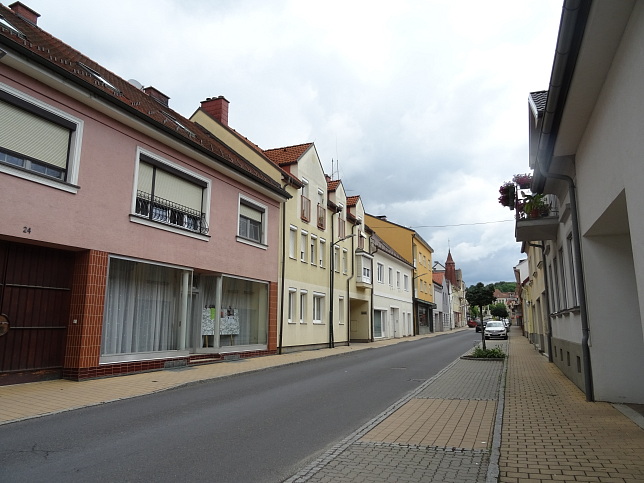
x,y
411,246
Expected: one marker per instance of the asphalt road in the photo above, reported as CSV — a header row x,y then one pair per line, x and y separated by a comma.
x,y
254,427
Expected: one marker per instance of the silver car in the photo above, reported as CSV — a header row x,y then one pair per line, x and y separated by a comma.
x,y
496,330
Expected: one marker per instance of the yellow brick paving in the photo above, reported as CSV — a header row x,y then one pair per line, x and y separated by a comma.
x,y
446,423
550,432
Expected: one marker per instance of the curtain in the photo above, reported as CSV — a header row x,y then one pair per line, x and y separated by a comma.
x,y
244,312
141,308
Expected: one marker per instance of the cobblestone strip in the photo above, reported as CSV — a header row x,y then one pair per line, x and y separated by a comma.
x,y
308,471
467,379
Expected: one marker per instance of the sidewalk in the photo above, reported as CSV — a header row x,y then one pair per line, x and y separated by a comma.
x,y
476,421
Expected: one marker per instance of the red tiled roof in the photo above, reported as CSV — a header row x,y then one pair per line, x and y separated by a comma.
x,y
352,200
332,185
51,53
287,155
438,277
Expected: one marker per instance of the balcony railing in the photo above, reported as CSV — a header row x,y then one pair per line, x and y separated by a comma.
x,y
305,213
170,213
321,217
538,223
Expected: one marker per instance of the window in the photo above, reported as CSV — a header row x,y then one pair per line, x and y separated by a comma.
x,y
562,268
363,267
170,196
571,268
557,290
303,296
303,245
318,308
391,277
322,253
252,221
291,305
380,272
341,310
336,258
341,226
38,142
313,254
406,283
321,215
398,280
361,238
292,246
345,261
305,205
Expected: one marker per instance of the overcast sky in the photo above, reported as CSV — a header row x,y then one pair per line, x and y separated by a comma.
x,y
423,104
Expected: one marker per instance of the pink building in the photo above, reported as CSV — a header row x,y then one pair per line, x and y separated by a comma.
x,y
131,239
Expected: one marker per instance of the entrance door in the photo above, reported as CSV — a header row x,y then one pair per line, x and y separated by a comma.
x,y
35,293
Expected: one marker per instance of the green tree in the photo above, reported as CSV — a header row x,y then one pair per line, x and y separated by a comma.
x,y
499,310
480,295
506,286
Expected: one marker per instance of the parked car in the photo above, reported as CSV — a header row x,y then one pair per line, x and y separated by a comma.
x,y
471,323
478,325
495,329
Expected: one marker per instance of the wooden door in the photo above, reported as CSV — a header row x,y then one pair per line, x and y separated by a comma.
x,y
35,293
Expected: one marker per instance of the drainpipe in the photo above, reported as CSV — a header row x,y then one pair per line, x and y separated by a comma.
x,y
546,284
331,283
571,31
281,338
372,338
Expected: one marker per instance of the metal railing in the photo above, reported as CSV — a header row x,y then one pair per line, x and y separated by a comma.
x,y
170,213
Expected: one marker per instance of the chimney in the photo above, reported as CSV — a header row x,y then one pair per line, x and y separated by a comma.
x,y
217,107
157,95
25,12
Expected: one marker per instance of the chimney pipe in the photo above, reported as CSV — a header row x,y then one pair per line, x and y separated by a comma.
x,y
217,107
25,12
157,95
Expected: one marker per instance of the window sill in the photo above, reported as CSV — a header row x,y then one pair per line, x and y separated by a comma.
x,y
252,243
318,322
19,172
170,228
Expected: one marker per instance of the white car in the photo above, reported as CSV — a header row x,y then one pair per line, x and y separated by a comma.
x,y
496,329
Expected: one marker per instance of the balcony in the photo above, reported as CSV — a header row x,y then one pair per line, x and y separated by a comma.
x,y
540,223
321,217
169,213
364,263
305,212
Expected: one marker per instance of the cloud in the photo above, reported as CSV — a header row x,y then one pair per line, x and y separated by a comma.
x,y
422,105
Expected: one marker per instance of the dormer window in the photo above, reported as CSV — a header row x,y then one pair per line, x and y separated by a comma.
x,y
99,78
6,24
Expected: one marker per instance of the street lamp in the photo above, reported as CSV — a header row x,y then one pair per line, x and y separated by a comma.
x,y
332,256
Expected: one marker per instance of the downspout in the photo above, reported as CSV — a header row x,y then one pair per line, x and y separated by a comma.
x,y
546,284
281,338
573,23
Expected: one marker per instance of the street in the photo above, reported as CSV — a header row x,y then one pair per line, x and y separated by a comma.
x,y
260,426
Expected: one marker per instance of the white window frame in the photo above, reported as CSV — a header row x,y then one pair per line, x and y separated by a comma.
x,y
171,166
390,272
304,245
336,259
304,294
70,184
380,272
341,310
345,261
318,307
292,248
322,253
406,282
292,292
398,279
313,249
259,207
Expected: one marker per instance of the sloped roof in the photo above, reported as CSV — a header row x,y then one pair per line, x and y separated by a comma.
x,y
538,101
332,185
54,55
438,277
352,200
287,155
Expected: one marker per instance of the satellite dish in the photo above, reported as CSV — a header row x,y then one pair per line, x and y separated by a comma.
x,y
136,83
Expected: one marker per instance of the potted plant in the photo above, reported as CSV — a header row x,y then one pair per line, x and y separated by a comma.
x,y
507,191
523,180
536,206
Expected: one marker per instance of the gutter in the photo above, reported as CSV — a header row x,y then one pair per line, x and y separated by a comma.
x,y
281,338
119,104
571,31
